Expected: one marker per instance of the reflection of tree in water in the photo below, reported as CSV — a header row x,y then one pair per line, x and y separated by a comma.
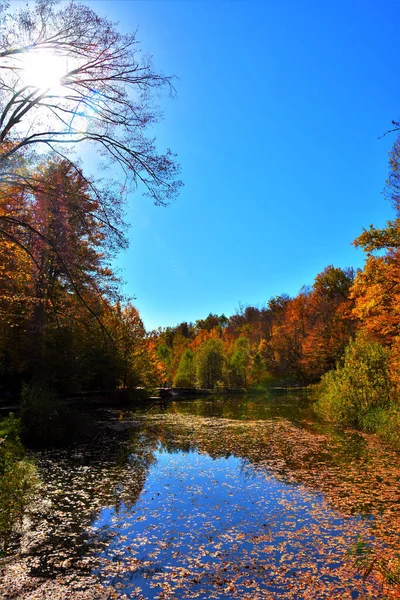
x,y
340,464
277,403
111,471
78,483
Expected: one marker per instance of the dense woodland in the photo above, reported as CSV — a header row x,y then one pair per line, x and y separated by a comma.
x,y
64,321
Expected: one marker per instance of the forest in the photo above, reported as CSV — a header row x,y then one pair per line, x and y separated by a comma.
x,y
341,334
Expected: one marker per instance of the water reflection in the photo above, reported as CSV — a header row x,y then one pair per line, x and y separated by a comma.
x,y
218,497
206,526
292,405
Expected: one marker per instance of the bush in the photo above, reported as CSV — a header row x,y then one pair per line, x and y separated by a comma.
x,y
17,489
359,392
18,480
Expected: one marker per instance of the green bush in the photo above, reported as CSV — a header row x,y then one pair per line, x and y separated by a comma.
x,y
17,489
18,480
358,393
385,422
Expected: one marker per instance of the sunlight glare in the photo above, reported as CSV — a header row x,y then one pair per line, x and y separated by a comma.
x,y
44,70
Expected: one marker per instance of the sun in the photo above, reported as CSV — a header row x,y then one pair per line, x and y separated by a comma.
x,y
43,70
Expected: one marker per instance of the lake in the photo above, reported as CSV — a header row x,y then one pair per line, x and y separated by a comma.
x,y
219,497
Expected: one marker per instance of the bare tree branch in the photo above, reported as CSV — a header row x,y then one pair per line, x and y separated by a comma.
x,y
106,86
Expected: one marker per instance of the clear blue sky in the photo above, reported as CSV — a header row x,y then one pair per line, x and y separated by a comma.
x,y
276,124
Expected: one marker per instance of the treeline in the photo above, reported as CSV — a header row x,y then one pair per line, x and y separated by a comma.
x,y
343,330
62,319
290,340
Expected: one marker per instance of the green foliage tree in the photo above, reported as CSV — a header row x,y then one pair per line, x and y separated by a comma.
x,y
258,371
210,360
356,392
186,373
164,353
239,362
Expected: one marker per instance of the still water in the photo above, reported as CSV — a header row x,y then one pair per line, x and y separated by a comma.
x,y
246,497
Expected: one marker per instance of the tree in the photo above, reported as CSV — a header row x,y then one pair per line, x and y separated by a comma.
x,y
329,322
210,360
68,77
239,362
131,347
186,373
57,223
376,290
164,355
258,371
56,280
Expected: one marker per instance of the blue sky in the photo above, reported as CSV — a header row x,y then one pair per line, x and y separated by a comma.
x,y
276,123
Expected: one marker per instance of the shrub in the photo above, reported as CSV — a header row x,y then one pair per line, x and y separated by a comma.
x,y
18,480
358,392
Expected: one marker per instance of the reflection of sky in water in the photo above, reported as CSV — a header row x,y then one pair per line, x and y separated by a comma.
x,y
214,498
216,524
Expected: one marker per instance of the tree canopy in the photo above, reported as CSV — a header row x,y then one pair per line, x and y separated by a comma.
x,y
68,77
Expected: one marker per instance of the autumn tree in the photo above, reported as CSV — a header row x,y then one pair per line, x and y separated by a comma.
x,y
329,324
58,224
376,290
131,348
56,248
69,78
